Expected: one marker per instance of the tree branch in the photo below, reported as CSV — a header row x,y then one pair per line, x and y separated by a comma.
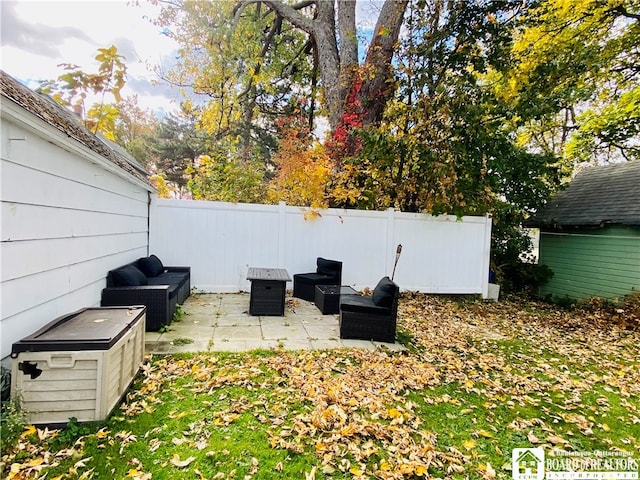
x,y
625,13
288,12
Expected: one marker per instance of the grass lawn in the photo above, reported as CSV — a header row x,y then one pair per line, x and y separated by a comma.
x,y
478,380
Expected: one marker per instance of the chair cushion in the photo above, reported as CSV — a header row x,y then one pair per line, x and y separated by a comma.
x,y
151,266
128,276
327,267
314,278
384,292
362,304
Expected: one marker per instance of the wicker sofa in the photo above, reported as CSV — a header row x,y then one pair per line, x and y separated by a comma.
x,y
328,272
148,282
371,318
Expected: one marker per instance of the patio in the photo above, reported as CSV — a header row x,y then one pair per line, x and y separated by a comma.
x,y
221,322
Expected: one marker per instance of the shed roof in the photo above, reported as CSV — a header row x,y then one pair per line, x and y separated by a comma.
x,y
596,197
67,122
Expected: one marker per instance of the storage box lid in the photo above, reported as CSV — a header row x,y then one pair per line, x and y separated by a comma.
x,y
97,328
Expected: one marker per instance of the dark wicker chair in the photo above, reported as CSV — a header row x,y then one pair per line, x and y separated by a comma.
x,y
328,272
371,318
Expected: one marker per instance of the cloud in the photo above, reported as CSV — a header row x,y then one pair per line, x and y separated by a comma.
x,y
35,38
126,48
145,86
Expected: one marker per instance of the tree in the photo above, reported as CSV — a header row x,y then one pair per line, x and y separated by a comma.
x,y
581,57
303,167
249,51
135,130
219,178
177,144
73,88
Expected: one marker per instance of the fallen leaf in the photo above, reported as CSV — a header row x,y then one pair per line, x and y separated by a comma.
x,y
532,438
469,444
176,462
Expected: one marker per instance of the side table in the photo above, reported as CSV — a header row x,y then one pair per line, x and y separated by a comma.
x,y
327,297
268,286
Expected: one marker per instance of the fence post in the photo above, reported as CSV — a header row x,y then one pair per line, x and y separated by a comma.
x,y
152,223
282,231
390,243
486,255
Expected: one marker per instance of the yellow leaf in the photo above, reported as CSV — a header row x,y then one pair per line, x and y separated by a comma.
x,y
102,433
133,472
29,430
484,433
606,427
394,413
469,444
355,471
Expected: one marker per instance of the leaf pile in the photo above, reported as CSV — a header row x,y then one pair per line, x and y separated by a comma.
x,y
478,379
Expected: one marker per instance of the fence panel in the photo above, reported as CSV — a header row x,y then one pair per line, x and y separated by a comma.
x,y
220,241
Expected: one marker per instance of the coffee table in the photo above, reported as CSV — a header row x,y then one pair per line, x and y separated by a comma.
x,y
327,297
268,286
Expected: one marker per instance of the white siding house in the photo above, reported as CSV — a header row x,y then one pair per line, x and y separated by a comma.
x,y
72,208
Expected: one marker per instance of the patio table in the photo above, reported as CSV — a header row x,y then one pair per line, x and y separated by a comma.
x,y
268,286
327,297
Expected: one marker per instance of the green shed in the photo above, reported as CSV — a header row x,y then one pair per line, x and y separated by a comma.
x,y
590,234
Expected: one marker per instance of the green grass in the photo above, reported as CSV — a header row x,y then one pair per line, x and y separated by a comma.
x,y
473,384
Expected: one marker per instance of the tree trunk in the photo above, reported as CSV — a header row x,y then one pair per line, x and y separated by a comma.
x,y
324,32
338,67
378,86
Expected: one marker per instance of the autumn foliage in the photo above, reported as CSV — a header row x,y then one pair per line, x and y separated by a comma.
x,y
303,168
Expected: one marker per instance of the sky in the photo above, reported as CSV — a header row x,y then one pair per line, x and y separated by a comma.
x,y
37,36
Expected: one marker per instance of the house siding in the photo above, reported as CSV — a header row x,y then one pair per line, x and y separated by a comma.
x,y
66,220
601,263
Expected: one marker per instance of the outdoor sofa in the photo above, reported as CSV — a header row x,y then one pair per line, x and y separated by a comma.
x,y
328,272
371,317
148,282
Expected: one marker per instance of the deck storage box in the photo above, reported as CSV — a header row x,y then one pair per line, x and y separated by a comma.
x,y
79,365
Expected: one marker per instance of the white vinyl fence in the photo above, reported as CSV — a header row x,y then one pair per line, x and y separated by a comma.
x,y
220,241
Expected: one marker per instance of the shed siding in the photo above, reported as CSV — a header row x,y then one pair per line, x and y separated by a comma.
x,y
601,263
65,222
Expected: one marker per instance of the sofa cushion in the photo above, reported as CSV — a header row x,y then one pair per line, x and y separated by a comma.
x,y
169,278
128,276
362,304
151,266
384,292
327,267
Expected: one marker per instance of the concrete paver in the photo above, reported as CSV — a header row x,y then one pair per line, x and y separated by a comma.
x,y
221,323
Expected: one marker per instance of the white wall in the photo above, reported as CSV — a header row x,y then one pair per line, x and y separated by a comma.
x,y
220,241
67,218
